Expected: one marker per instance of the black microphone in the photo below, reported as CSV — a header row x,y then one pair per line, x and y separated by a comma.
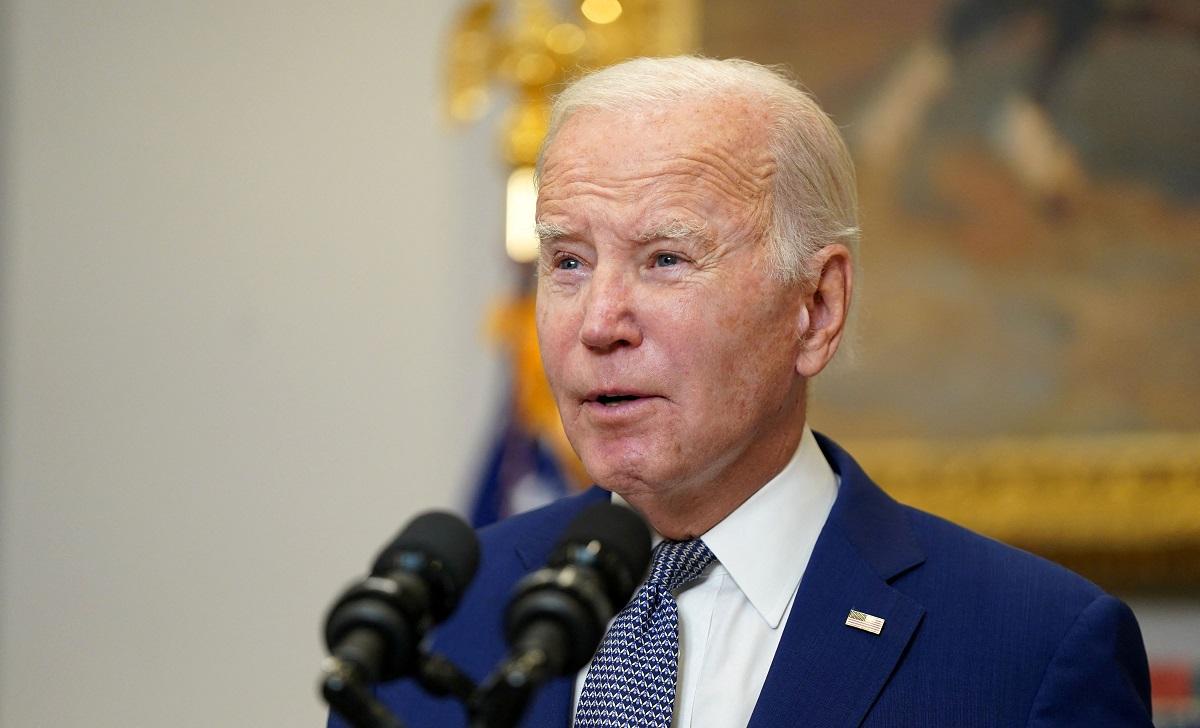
x,y
375,628
558,614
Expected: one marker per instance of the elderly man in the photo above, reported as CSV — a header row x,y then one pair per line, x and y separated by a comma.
x,y
698,222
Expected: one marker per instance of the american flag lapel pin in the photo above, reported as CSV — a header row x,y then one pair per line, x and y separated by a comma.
x,y
865,622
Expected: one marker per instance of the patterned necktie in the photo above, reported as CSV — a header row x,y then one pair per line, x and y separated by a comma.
x,y
632,678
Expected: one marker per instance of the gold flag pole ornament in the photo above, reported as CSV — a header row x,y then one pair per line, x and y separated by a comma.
x,y
533,55
531,48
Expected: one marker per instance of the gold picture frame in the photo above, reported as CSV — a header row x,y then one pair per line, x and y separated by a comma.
x,y
1122,509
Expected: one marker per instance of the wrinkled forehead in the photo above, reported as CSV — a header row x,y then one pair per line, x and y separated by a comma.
x,y
728,134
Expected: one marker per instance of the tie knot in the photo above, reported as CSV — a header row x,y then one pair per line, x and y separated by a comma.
x,y
678,562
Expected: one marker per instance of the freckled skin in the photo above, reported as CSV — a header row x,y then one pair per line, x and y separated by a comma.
x,y
720,348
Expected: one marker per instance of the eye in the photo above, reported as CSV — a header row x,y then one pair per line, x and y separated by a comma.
x,y
567,263
666,259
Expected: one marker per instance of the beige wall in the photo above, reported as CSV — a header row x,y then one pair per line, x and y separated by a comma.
x,y
243,267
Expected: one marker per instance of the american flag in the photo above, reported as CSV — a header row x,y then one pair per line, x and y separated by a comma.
x,y
864,621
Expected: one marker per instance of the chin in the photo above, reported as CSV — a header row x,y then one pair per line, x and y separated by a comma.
x,y
633,461
629,474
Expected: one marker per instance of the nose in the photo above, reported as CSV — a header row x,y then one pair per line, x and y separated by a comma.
x,y
610,319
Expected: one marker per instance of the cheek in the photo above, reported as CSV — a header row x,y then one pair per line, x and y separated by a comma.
x,y
555,333
754,361
712,357
546,335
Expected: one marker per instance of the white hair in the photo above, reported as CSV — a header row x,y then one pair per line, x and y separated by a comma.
x,y
813,198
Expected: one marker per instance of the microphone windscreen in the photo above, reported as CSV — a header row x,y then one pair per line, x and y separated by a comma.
x,y
442,536
619,529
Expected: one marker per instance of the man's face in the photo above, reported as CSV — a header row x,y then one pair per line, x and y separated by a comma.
x,y
670,347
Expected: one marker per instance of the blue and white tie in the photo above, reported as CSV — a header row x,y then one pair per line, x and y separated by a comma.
x,y
632,678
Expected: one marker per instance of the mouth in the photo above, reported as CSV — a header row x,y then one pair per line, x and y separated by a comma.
x,y
614,398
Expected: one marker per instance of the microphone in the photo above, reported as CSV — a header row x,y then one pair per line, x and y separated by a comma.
x,y
558,614
375,628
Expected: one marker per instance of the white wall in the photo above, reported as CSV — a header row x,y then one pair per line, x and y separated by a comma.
x,y
243,267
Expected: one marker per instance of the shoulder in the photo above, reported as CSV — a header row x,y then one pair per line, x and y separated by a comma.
x,y
1075,650
984,566
1000,627
552,516
933,558
1079,647
541,526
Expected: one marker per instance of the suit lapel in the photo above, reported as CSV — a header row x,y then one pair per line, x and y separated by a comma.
x,y
824,672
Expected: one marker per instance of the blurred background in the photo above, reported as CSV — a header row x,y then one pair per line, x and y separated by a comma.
x,y
261,301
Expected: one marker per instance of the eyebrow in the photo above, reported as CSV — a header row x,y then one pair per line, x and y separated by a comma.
x,y
670,230
547,231
675,230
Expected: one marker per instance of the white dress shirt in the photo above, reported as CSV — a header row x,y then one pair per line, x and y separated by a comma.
x,y
731,619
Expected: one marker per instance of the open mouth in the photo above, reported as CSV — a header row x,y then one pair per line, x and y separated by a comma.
x,y
609,399
612,400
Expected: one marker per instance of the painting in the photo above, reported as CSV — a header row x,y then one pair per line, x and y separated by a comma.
x,y
1025,354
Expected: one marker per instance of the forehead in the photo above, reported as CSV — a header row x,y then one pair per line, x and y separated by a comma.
x,y
717,144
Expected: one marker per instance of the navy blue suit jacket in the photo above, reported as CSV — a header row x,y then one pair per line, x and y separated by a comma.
x,y
976,634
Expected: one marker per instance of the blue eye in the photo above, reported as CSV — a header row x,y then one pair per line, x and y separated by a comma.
x,y
666,259
568,264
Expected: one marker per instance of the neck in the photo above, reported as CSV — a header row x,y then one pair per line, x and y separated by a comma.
x,y
689,511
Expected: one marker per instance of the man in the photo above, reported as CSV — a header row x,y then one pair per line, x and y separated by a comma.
x,y
698,220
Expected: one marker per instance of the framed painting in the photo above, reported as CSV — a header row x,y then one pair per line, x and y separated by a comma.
x,y
1026,354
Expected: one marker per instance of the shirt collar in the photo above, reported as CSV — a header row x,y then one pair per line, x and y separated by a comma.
x,y
766,543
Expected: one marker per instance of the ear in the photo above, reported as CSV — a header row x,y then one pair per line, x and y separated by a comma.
x,y
822,319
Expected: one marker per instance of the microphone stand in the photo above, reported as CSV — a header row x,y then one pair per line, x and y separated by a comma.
x,y
348,693
501,702
441,677
502,699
